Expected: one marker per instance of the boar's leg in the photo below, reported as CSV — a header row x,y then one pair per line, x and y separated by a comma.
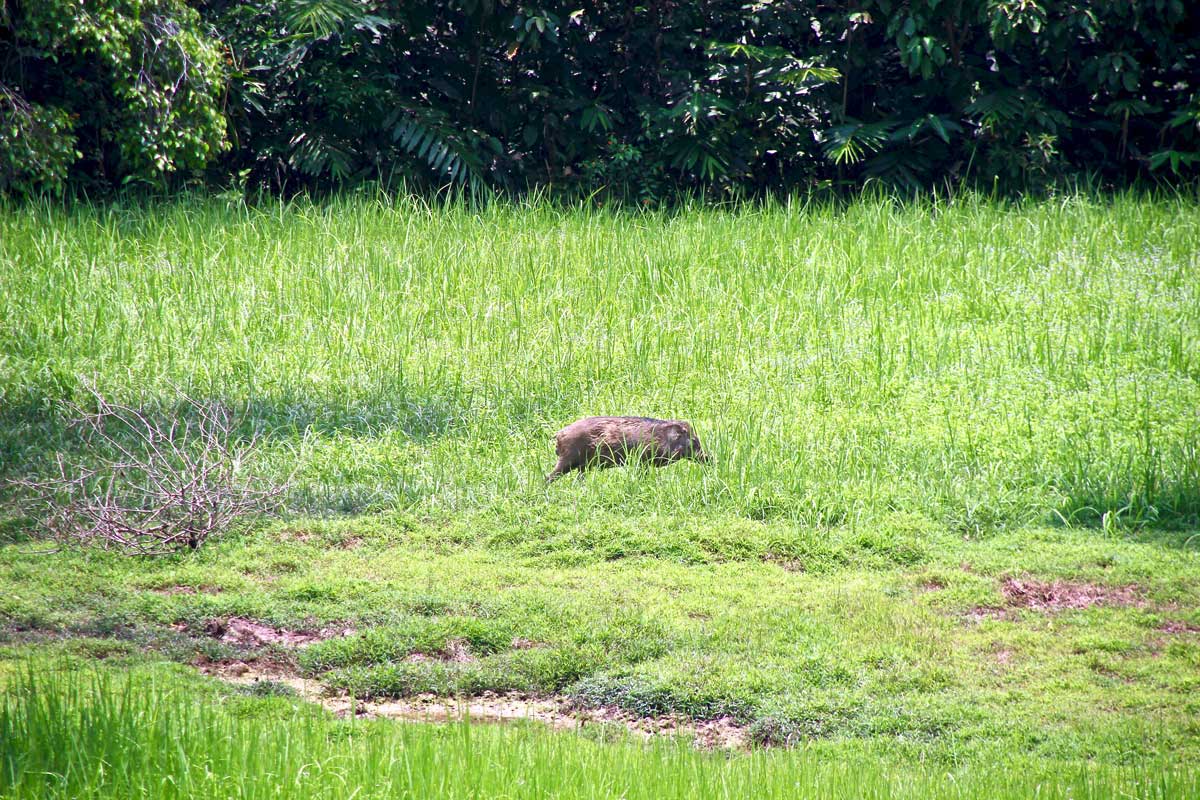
x,y
562,468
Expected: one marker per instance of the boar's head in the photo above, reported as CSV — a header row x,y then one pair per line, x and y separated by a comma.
x,y
682,442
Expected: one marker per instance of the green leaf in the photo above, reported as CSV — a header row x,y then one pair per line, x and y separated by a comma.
x,y
320,19
848,144
1174,158
935,122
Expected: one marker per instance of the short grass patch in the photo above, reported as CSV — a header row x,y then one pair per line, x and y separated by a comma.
x,y
962,649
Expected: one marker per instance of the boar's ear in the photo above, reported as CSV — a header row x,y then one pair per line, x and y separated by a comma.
x,y
679,433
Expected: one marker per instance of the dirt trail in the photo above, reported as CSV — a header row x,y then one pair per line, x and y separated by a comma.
x,y
557,713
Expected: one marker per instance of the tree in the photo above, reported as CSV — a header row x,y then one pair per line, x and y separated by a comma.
x,y
106,92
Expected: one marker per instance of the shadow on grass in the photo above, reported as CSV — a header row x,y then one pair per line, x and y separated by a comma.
x,y
1170,509
33,429
37,429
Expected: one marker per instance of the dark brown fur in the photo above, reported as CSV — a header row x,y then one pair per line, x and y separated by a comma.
x,y
611,441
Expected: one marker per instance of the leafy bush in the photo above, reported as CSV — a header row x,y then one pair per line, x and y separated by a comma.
x,y
37,146
652,100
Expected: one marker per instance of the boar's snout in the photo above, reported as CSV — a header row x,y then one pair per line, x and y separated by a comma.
x,y
689,446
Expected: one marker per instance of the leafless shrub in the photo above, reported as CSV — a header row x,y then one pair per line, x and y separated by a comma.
x,y
151,486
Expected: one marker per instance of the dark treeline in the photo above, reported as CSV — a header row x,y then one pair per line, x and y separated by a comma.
x,y
644,100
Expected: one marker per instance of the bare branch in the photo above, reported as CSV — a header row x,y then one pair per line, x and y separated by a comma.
x,y
173,485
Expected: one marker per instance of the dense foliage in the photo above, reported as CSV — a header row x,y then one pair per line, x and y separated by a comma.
x,y
107,92
644,99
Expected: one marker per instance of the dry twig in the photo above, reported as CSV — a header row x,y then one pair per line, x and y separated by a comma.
x,y
156,486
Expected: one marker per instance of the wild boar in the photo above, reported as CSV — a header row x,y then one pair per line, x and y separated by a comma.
x,y
611,441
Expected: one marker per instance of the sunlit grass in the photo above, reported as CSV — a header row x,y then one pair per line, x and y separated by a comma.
x,y
899,398
850,637
977,363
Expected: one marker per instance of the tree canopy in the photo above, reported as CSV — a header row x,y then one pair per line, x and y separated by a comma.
x,y
644,100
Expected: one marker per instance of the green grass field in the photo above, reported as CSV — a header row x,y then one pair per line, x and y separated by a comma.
x,y
949,545
155,733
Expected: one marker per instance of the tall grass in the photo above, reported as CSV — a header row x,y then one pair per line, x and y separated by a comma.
x,y
99,735
979,363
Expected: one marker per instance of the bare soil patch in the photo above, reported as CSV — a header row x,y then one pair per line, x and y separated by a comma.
x,y
1053,596
347,541
784,563
1062,595
456,651
171,591
248,672
1178,627
249,633
980,613
521,643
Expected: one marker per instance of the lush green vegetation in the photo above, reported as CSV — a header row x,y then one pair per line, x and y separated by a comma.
x,y
950,527
644,101
158,734
969,364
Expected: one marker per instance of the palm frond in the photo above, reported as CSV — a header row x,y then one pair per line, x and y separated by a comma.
x,y
317,19
447,152
854,141
321,156
997,108
901,167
